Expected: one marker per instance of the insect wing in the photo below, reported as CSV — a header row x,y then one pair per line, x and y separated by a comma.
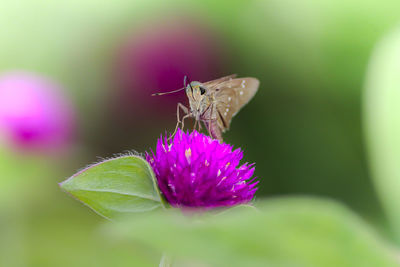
x,y
231,96
212,84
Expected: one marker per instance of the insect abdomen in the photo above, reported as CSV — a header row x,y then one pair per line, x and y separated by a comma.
x,y
214,129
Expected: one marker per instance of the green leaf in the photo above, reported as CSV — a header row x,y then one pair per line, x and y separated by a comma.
x,y
116,186
283,232
382,123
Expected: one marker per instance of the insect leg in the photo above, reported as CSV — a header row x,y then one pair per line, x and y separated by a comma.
x,y
209,124
195,124
212,124
184,117
186,111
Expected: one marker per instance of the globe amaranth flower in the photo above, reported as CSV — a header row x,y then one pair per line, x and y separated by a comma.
x,y
194,170
34,112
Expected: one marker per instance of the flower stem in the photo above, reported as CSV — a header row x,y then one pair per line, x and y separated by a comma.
x,y
165,261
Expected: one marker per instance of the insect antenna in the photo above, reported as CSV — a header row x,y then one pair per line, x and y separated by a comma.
x,y
190,83
166,93
171,92
184,81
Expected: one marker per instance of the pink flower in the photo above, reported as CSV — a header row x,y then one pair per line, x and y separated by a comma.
x,y
156,59
34,114
193,170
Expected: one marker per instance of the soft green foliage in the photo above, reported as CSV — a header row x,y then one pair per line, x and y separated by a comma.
x,y
63,236
284,232
382,121
304,124
116,186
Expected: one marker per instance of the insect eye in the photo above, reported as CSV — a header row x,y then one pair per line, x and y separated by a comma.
x,y
202,90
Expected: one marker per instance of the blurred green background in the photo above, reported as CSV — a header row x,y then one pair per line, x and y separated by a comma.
x,y
304,128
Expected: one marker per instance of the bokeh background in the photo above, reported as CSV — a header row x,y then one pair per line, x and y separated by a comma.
x,y
76,79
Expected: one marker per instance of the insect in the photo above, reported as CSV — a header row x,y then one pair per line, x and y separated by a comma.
x,y
216,102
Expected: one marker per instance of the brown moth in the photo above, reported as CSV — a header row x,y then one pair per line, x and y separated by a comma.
x,y
216,102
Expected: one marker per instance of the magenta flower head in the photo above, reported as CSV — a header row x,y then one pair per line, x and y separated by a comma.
x,y
194,170
34,113
158,56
